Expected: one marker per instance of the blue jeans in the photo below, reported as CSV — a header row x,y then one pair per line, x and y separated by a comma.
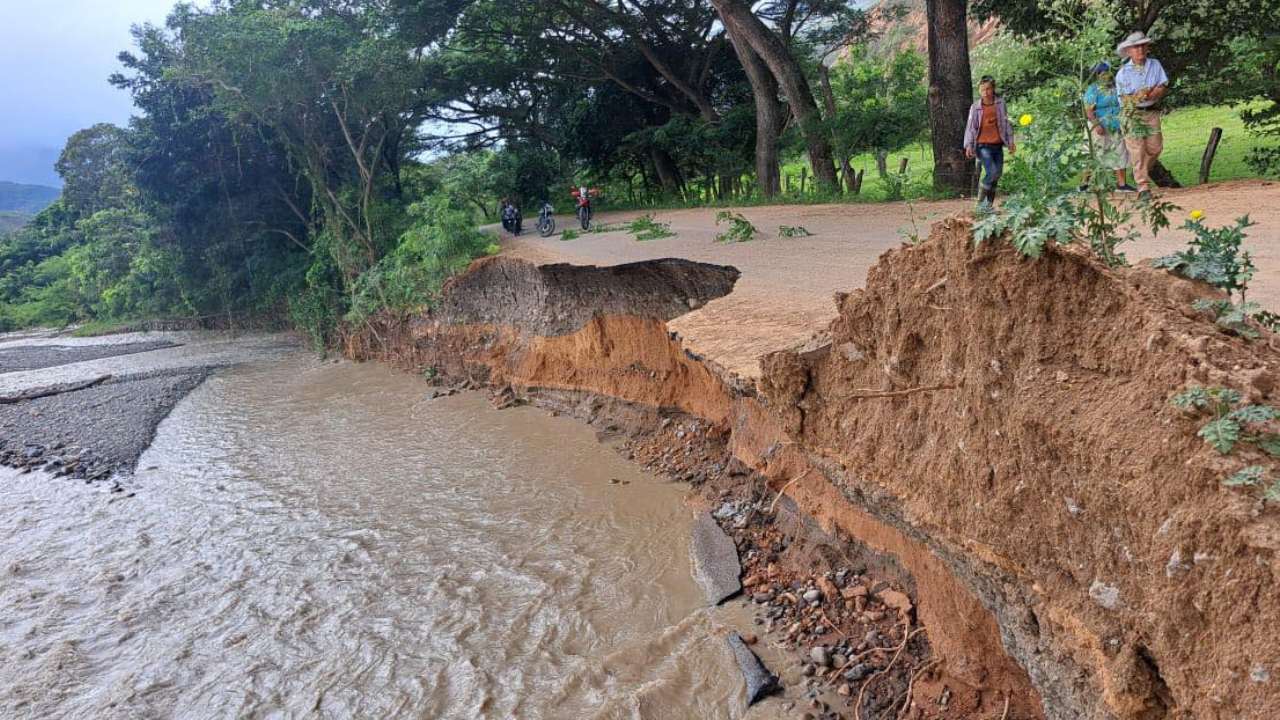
x,y
992,157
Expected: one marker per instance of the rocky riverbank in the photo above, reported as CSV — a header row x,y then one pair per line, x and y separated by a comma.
x,y
92,433
990,434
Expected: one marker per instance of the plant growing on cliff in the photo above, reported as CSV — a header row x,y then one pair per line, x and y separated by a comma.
x,y
1215,256
1233,423
793,231
740,229
1255,476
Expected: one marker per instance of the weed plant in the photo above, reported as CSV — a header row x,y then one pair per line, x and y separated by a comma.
x,y
740,229
1215,256
793,231
1232,424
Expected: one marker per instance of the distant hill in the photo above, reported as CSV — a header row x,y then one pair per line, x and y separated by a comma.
x,y
26,199
12,220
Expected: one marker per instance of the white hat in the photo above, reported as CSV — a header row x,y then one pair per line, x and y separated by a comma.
x,y
1134,39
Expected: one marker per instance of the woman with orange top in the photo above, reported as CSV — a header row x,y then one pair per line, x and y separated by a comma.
x,y
986,136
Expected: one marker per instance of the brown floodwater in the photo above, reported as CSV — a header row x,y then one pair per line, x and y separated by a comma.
x,y
311,539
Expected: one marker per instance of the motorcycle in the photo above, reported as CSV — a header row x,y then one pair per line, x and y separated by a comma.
x,y
546,223
585,211
512,222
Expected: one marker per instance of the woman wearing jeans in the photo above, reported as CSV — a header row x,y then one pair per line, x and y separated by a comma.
x,y
986,136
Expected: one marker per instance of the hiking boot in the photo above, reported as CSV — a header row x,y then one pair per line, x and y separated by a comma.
x,y
1126,188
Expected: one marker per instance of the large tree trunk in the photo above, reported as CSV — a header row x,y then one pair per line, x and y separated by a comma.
x,y
829,101
882,163
950,92
769,118
668,172
742,22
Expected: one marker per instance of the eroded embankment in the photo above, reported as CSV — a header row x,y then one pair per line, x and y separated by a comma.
x,y
999,426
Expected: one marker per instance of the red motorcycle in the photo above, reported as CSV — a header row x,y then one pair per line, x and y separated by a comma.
x,y
583,195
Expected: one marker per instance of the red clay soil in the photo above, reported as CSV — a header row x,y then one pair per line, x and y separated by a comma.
x,y
998,426
1017,414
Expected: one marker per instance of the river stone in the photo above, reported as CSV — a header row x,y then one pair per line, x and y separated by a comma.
x,y
715,561
760,682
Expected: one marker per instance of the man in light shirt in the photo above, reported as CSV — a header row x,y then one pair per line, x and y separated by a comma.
x,y
1141,84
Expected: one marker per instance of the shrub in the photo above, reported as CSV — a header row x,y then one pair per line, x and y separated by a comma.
x,y
1055,149
1232,424
740,229
1214,256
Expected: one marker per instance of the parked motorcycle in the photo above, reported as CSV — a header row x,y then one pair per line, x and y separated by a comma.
x,y
546,221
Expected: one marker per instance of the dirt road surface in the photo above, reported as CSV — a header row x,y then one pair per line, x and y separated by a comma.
x,y
785,293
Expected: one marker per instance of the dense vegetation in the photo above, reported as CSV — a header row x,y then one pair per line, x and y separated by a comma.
x,y
318,161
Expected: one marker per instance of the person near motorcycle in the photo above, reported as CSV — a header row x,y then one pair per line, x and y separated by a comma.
x,y
511,219
583,195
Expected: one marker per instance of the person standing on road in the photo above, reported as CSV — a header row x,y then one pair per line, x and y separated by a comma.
x,y
1102,106
1141,84
986,135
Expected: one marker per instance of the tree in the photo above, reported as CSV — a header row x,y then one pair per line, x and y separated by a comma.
x,y
881,103
741,22
950,92
94,174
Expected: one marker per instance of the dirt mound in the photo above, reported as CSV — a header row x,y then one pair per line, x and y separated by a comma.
x,y
560,299
1015,413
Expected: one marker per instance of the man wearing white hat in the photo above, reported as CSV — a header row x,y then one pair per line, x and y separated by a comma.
x,y
1141,84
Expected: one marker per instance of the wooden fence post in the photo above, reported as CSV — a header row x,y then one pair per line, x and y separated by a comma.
x,y
804,175
902,167
1206,162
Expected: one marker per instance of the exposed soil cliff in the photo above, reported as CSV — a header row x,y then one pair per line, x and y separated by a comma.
x,y
999,427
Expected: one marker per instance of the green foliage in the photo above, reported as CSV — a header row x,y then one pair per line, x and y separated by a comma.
x,y
1230,422
94,169
1256,476
740,229
646,228
1214,256
570,234
793,231
1055,149
1232,425
441,241
881,105
1232,318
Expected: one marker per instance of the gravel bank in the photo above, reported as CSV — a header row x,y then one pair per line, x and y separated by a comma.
x,y
95,432
37,357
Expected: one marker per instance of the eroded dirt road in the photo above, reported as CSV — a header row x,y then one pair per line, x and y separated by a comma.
x,y
785,293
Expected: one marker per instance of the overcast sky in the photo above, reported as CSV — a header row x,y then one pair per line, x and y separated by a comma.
x,y
55,57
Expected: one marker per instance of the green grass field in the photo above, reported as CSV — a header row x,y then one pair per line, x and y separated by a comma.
x,y
1186,131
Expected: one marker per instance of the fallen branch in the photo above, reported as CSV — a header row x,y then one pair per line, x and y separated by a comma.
x,y
906,703
867,393
51,391
834,627
857,706
786,487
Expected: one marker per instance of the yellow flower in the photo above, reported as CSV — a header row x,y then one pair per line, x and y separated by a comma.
x,y
1025,120
1197,214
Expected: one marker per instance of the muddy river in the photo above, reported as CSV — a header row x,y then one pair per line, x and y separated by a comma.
x,y
318,539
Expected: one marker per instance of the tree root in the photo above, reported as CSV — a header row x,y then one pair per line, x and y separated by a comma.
x,y
857,706
867,393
